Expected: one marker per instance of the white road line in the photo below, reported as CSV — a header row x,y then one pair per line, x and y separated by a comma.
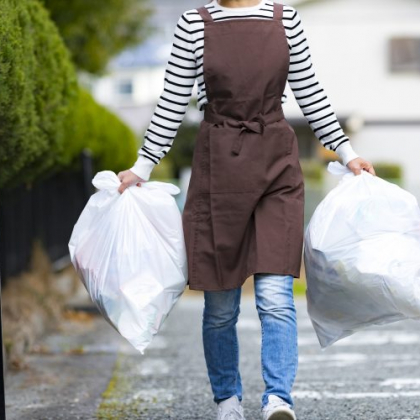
x,y
334,361
365,338
358,357
353,395
153,367
152,395
399,383
249,324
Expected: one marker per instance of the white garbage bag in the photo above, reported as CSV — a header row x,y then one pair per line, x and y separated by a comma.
x,y
129,251
362,256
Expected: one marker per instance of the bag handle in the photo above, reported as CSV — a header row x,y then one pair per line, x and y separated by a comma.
x,y
337,168
108,180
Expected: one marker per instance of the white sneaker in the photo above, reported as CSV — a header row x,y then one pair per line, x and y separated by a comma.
x,y
230,409
277,409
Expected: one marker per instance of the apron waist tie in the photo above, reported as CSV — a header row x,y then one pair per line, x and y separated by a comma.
x,y
256,124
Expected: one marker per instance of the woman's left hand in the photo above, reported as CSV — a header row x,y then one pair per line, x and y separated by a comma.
x,y
358,165
128,178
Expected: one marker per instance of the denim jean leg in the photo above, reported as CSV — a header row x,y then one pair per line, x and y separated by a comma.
x,y
221,350
279,347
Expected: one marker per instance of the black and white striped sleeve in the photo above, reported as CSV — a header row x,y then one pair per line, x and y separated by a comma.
x,y
179,80
311,96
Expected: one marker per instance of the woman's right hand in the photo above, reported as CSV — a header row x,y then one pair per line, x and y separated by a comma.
x,y
358,165
128,178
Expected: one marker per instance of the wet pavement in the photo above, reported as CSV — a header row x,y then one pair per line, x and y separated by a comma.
x,y
87,371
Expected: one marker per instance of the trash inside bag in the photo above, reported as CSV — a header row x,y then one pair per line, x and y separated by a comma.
x,y
129,251
362,256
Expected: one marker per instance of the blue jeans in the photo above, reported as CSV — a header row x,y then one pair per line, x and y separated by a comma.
x,y
279,353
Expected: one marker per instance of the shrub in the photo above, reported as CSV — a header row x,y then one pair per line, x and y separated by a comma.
x,y
96,30
312,170
36,79
388,170
45,118
90,125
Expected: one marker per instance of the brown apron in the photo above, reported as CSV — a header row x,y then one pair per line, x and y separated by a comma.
x,y
244,207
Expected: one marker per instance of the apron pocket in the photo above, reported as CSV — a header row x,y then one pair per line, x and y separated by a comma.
x,y
230,172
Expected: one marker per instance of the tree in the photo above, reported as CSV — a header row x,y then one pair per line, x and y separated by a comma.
x,y
46,120
37,79
96,30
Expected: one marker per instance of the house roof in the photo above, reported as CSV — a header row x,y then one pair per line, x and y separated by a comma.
x,y
155,51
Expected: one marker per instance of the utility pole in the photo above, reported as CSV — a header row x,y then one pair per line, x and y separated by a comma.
x,y
2,359
2,352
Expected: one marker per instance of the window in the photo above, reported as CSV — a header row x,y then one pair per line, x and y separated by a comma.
x,y
404,55
125,87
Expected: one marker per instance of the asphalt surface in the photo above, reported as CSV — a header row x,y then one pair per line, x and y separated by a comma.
x,y
88,371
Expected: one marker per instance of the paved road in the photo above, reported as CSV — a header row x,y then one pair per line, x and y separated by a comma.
x,y
373,375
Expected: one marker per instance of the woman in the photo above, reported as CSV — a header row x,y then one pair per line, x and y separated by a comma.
x,y
244,209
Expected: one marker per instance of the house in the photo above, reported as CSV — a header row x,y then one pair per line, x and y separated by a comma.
x,y
366,55
135,77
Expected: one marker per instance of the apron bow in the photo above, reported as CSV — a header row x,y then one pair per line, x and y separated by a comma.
x,y
255,125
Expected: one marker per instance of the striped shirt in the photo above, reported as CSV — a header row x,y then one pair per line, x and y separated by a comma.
x,y
185,68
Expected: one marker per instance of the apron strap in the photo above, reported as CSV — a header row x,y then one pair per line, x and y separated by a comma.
x,y
204,13
278,11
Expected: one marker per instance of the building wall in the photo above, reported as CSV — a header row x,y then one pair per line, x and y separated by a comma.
x,y
393,143
349,45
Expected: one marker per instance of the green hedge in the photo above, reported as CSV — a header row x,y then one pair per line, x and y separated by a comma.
x,y
36,80
89,125
96,30
388,170
45,119
312,170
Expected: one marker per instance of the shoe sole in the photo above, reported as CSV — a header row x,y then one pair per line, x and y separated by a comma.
x,y
283,414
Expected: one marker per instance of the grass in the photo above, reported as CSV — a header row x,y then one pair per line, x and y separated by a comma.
x,y
299,287
116,404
